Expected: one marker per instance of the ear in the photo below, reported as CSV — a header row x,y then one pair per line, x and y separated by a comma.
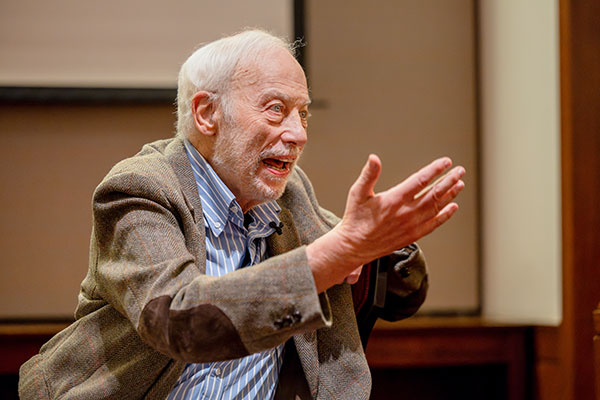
x,y
204,112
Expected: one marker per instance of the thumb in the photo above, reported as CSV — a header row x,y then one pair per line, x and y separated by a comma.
x,y
364,185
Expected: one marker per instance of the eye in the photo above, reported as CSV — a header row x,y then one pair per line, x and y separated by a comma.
x,y
303,114
277,108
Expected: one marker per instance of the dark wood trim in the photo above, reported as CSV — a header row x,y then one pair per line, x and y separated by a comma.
x,y
300,32
85,95
414,343
479,147
596,317
564,360
21,341
455,341
580,101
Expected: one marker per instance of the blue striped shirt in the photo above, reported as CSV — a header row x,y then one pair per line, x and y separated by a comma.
x,y
229,246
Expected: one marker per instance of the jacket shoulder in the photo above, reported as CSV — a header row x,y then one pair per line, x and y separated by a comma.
x,y
158,167
151,158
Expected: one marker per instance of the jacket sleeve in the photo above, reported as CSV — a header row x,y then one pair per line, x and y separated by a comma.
x,y
392,287
407,283
399,280
147,256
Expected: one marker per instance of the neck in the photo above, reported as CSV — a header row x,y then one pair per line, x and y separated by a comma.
x,y
205,146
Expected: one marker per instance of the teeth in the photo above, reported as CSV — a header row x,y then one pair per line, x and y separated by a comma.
x,y
276,164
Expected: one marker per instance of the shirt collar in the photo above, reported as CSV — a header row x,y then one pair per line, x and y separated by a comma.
x,y
218,203
264,214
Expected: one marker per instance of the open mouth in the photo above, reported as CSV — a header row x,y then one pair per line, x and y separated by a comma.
x,y
278,165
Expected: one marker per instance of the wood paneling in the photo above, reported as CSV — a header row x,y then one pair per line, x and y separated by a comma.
x,y
564,361
433,350
597,349
19,342
452,342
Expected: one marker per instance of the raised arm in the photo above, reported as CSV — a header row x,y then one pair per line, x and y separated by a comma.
x,y
374,225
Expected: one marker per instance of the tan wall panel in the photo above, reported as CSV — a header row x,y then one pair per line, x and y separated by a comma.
x,y
521,161
133,43
397,78
52,159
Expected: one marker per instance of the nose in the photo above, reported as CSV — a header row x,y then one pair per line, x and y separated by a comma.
x,y
294,130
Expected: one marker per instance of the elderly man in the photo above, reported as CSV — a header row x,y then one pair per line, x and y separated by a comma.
x,y
213,271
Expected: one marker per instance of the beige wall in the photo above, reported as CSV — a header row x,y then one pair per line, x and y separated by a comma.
x,y
52,159
133,43
521,161
54,156
397,78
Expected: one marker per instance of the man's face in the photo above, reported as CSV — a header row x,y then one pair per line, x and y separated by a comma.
x,y
258,145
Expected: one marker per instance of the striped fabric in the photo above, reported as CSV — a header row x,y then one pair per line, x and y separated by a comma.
x,y
231,243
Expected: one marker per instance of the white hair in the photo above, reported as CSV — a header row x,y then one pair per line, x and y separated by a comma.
x,y
212,67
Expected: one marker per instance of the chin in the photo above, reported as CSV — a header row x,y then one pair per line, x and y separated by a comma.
x,y
268,191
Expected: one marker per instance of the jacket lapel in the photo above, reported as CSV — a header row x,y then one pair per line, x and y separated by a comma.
x,y
179,161
306,346
288,239
306,343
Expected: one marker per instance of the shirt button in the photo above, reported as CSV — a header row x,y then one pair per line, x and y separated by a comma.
x,y
297,316
404,272
218,372
287,320
217,225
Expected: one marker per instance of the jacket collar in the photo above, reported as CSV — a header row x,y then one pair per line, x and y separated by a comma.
x,y
288,239
178,159
180,163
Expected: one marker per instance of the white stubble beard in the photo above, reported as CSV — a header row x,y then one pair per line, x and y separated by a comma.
x,y
244,163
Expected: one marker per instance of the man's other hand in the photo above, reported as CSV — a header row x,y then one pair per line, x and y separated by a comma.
x,y
374,225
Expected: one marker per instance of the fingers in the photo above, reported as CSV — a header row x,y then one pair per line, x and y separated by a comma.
x,y
441,188
418,181
444,215
442,193
447,197
364,185
441,217
352,278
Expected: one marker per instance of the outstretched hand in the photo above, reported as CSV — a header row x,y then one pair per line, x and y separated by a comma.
x,y
377,224
374,225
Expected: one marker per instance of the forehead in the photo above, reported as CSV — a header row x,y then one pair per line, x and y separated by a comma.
x,y
271,71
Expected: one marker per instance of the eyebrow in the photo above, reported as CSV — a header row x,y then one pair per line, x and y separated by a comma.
x,y
273,93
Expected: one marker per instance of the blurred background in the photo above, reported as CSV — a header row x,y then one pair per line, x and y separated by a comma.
x,y
507,89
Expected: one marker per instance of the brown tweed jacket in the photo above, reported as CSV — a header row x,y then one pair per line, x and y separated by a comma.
x,y
146,306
